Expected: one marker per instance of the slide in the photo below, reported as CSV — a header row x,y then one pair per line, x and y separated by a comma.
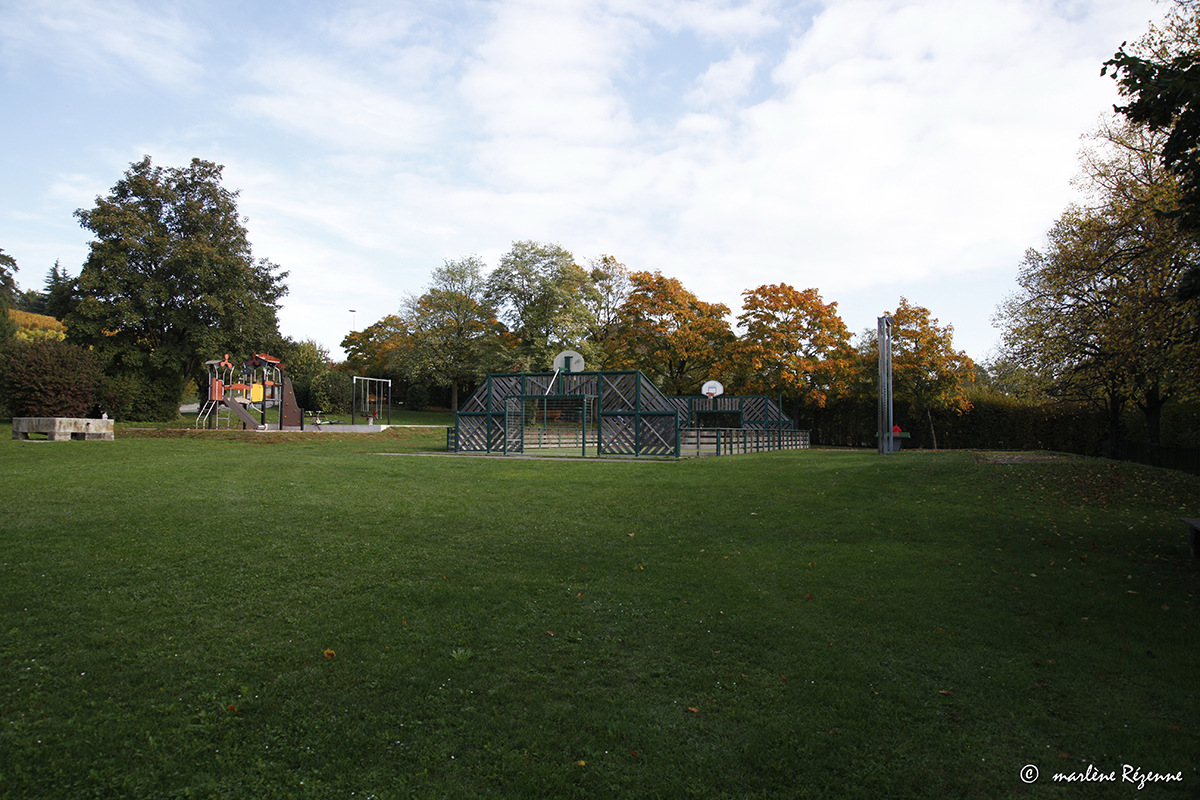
x,y
244,415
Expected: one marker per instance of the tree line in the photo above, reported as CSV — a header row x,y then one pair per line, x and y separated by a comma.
x,y
170,281
1104,323
1107,312
538,301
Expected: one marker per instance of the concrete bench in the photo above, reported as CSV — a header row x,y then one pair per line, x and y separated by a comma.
x,y
1194,524
61,429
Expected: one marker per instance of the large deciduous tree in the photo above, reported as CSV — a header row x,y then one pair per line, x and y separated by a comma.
x,y
671,335
1053,324
170,282
542,294
610,279
1097,310
794,344
455,338
378,349
1161,80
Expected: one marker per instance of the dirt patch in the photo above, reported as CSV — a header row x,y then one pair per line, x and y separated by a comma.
x,y
1021,457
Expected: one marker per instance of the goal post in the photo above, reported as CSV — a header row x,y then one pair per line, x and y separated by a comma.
x,y
551,422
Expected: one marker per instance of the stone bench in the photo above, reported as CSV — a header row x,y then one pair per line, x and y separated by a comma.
x,y
61,429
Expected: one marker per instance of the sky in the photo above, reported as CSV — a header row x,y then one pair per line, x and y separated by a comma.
x,y
871,149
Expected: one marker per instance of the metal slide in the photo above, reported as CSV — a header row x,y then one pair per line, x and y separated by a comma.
x,y
244,415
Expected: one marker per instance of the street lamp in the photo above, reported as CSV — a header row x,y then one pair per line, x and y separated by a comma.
x,y
353,321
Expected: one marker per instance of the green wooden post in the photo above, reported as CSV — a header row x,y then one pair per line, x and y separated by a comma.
x,y
637,415
599,413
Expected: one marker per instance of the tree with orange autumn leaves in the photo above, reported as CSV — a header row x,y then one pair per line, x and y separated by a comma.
x,y
791,344
668,333
928,373
794,344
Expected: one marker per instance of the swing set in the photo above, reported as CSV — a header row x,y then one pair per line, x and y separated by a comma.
x,y
370,397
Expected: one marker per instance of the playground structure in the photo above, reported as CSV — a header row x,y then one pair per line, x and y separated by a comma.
x,y
370,397
613,413
259,383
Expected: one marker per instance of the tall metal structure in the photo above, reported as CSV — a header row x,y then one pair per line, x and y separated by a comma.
x,y
886,416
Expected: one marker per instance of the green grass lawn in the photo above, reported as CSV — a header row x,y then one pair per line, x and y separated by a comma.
x,y
316,615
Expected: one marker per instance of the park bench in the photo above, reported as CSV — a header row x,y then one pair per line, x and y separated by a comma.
x,y
62,429
1194,524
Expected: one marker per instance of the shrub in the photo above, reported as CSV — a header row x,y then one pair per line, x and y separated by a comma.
x,y
37,322
136,396
416,398
120,395
330,392
32,334
48,378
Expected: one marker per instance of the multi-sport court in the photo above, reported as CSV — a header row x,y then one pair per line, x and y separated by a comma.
x,y
613,413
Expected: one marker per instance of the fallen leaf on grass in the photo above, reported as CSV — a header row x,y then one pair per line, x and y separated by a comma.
x,y
693,709
944,691
330,654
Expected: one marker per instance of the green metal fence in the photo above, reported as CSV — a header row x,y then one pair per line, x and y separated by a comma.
x,y
632,416
628,415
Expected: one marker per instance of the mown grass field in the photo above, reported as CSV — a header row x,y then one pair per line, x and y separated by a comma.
x,y
244,615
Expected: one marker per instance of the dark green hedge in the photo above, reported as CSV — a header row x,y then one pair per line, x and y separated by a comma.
x,y
999,424
47,378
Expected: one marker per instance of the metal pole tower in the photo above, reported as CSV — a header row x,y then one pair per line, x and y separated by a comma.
x,y
886,419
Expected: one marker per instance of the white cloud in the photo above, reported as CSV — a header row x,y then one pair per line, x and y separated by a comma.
x,y
717,20
543,71
345,110
725,82
105,43
869,148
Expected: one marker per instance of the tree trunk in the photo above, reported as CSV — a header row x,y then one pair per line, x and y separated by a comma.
x,y
1152,407
454,396
1115,402
932,432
